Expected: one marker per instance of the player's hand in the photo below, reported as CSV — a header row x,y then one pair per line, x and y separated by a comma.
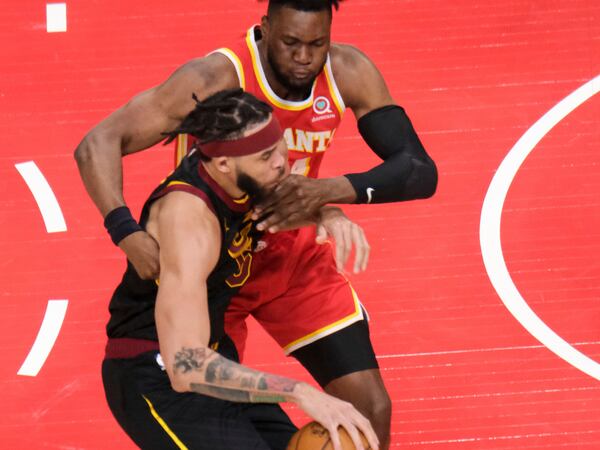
x,y
332,413
334,223
142,251
295,200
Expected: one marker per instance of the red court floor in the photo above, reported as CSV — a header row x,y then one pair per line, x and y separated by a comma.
x,y
474,76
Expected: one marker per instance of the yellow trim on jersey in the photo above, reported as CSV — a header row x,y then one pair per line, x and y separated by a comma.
x,y
178,183
333,90
323,331
164,425
307,168
165,179
241,201
261,82
239,68
181,149
298,165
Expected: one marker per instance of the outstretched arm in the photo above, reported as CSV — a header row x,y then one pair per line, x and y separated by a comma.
x,y
406,173
182,319
134,127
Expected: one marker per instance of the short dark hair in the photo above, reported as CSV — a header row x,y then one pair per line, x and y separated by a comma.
x,y
222,116
303,5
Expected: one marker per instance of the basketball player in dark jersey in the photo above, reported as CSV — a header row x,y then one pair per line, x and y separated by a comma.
x,y
194,394
291,53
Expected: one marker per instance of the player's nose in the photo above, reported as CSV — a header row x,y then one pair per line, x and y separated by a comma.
x,y
303,55
278,161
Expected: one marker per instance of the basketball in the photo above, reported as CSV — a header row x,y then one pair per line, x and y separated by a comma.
x,y
313,436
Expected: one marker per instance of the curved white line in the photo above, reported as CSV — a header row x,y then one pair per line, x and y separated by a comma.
x,y
44,197
47,334
489,231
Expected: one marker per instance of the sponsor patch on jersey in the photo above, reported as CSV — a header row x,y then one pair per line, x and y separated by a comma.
x,y
322,105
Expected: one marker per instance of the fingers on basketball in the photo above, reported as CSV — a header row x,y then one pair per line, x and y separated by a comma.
x,y
313,436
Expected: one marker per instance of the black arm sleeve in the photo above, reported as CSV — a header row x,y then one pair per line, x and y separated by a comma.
x,y
407,172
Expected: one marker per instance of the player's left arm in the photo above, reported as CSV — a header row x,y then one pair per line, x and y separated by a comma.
x,y
406,173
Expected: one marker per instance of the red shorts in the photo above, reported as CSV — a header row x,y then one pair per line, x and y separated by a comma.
x,y
294,291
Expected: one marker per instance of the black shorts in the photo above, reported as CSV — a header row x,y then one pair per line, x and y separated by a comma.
x,y
140,397
346,351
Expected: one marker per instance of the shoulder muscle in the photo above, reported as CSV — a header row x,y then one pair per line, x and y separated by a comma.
x,y
188,234
361,85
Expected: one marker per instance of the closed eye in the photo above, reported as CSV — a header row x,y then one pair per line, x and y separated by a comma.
x,y
266,155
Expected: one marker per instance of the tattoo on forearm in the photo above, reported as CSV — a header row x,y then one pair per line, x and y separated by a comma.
x,y
222,369
188,359
235,395
267,398
248,382
270,382
232,395
231,381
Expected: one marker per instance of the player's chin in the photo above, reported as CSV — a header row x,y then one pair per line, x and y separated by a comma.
x,y
301,83
276,182
268,186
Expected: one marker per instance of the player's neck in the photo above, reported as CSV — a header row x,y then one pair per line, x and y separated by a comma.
x,y
280,89
225,181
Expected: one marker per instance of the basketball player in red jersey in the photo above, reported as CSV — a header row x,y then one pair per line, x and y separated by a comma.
x,y
294,289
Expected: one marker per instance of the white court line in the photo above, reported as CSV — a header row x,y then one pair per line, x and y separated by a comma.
x,y
56,17
489,231
45,198
47,334
474,350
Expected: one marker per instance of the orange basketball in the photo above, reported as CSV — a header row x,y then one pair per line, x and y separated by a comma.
x,y
313,436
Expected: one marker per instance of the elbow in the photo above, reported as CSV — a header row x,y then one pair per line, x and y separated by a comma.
x,y
187,367
97,146
430,179
80,153
179,382
84,153
423,181
178,385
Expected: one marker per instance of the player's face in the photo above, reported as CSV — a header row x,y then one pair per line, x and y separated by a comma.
x,y
259,173
297,44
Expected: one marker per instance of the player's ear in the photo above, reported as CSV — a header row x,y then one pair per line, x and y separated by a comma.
x,y
224,164
264,25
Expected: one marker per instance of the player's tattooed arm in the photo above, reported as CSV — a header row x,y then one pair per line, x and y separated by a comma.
x,y
189,359
216,376
210,374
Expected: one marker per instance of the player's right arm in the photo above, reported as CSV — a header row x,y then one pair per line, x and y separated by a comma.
x,y
138,125
187,258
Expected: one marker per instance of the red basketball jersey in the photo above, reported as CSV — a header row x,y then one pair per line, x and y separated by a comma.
x,y
309,124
